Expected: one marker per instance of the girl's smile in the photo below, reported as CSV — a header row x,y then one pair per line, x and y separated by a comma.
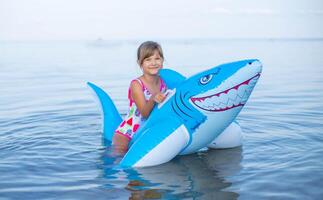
x,y
152,64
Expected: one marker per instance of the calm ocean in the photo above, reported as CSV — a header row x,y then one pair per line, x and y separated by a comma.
x,y
50,123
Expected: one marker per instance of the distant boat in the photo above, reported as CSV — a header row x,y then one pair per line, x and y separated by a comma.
x,y
100,42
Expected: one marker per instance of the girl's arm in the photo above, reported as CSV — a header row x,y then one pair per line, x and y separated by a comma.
x,y
144,107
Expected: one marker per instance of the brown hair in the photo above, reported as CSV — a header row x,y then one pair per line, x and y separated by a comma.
x,y
147,49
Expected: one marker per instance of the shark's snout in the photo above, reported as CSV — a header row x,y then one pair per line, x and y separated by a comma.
x,y
228,99
256,64
232,92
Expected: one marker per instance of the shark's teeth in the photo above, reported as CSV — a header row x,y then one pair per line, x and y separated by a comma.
x,y
227,99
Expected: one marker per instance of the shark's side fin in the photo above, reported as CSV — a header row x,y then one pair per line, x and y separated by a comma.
x,y
171,77
110,115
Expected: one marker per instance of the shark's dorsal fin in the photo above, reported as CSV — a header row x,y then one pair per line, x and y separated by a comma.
x,y
172,78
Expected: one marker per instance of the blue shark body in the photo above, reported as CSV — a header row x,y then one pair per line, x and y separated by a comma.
x,y
195,112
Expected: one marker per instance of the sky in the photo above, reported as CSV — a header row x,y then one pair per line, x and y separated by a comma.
x,y
166,19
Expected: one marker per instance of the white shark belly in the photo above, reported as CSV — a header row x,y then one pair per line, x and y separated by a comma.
x,y
167,149
231,137
210,129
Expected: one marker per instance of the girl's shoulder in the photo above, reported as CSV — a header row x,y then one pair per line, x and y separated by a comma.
x,y
137,82
136,86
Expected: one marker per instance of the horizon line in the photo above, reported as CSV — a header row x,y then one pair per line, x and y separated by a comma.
x,y
101,39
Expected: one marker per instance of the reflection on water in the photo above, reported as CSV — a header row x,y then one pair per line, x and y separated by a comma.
x,y
201,175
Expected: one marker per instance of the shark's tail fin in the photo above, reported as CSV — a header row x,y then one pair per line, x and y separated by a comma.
x,y
110,115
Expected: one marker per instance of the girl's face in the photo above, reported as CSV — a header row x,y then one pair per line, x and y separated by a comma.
x,y
152,64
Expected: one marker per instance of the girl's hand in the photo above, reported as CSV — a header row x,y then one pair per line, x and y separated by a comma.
x,y
159,97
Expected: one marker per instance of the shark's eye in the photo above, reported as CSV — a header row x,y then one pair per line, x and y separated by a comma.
x,y
205,79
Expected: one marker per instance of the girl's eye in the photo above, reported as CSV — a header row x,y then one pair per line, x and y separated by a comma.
x,y
205,79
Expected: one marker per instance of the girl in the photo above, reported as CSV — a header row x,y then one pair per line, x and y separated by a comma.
x,y
144,92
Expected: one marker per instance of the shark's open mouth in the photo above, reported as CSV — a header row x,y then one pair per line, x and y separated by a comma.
x,y
228,99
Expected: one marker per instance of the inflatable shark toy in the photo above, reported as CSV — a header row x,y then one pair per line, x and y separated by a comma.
x,y
195,112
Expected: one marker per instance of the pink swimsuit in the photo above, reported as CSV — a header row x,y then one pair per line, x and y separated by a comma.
x,y
133,119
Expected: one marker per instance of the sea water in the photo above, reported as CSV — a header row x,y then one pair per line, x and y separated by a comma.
x,y
50,124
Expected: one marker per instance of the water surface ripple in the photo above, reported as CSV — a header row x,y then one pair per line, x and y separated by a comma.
x,y
50,124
